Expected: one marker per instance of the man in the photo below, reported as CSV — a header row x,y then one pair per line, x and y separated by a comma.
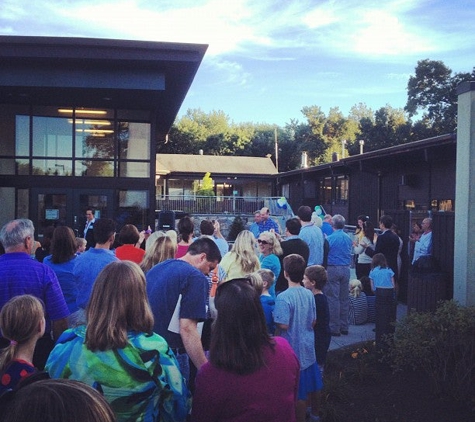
x,y
327,228
312,235
89,228
291,245
88,265
254,228
338,273
177,291
423,246
19,275
267,224
387,244
213,231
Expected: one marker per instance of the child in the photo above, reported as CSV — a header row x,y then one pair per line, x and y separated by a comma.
x,y
382,283
358,310
267,301
314,279
295,317
81,245
22,322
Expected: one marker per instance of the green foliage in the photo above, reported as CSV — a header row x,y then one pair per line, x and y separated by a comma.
x,y
206,187
237,226
442,344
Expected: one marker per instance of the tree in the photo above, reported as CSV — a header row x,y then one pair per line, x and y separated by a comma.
x,y
432,90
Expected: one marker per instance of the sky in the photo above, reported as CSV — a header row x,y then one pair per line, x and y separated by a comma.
x,y
267,59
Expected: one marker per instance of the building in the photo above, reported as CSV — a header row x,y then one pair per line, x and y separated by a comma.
x,y
80,119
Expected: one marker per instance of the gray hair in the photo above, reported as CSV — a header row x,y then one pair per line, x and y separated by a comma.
x,y
338,222
15,232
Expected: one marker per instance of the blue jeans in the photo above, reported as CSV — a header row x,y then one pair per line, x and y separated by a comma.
x,y
336,290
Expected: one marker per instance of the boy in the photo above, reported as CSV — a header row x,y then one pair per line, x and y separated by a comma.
x,y
295,317
267,301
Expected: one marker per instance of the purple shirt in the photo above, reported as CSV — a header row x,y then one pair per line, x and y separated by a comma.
x,y
20,275
269,394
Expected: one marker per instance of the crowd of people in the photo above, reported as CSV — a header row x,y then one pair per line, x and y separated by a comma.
x,y
169,326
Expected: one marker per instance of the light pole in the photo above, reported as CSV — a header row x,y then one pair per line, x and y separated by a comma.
x,y
361,145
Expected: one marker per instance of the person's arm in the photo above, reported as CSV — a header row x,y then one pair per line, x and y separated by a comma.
x,y
58,327
192,341
392,282
372,285
282,327
217,230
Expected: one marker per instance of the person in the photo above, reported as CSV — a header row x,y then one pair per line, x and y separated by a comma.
x,y
327,227
423,246
270,250
338,271
295,317
181,285
312,235
185,230
251,376
130,240
213,231
22,322
395,230
88,265
358,310
80,245
163,248
50,400
43,250
89,228
315,278
254,228
267,301
370,298
61,261
383,284
364,241
267,223
387,244
19,275
118,353
242,258
292,244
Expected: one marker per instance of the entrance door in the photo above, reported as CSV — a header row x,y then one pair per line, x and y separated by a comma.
x,y
67,207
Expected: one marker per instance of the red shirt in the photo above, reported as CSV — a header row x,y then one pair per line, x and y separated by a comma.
x,y
130,253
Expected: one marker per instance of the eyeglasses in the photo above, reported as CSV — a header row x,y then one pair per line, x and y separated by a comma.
x,y
262,242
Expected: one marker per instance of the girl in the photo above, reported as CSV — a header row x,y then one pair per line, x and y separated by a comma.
x,y
358,312
382,283
363,263
22,322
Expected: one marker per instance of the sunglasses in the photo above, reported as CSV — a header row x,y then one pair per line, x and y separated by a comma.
x,y
262,242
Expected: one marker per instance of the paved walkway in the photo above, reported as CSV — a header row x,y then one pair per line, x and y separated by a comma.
x,y
362,333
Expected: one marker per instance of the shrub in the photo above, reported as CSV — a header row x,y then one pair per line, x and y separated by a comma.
x,y
442,344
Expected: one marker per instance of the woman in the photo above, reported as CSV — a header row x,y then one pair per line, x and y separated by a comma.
x,y
185,230
363,263
160,250
242,258
118,354
251,376
131,239
270,250
61,261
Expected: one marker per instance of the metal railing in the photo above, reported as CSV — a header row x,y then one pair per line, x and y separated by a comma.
x,y
194,204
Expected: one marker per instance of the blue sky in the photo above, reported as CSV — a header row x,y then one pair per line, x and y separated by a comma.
x,y
269,58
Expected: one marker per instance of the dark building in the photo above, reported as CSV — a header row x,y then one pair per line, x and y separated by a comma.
x,y
80,119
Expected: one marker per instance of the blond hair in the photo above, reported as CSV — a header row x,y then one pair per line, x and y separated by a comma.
x,y
256,281
163,248
355,287
271,238
245,254
118,304
267,276
20,319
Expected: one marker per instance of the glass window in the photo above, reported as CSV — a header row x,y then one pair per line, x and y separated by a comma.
x,y
23,203
326,190
133,208
341,190
52,137
134,169
134,141
175,187
48,167
94,168
22,135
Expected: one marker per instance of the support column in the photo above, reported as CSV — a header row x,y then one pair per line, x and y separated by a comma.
x,y
464,248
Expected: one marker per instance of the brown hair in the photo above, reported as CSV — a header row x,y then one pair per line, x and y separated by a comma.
x,y
317,274
19,321
129,235
57,400
63,245
118,304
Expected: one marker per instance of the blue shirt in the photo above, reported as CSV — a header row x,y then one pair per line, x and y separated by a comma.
x,y
313,237
382,278
64,272
266,226
271,262
254,229
340,248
